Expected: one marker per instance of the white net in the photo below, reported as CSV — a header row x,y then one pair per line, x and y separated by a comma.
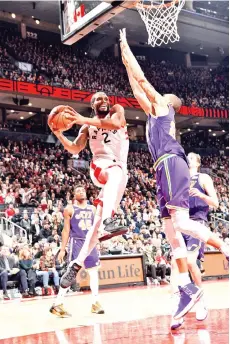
x,y
160,20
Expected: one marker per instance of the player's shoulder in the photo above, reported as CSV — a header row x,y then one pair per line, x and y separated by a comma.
x,y
69,209
92,207
204,178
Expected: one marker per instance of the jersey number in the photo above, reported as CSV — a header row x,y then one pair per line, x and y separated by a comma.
x,y
106,138
85,225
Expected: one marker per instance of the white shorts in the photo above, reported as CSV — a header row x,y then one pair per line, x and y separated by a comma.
x,y
99,165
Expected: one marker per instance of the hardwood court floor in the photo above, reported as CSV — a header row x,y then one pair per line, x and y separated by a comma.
x,y
132,315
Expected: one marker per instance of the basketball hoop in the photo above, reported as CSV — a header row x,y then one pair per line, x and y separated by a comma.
x,y
160,18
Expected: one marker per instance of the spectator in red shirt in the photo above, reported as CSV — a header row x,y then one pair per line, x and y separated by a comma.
x,y
10,212
2,198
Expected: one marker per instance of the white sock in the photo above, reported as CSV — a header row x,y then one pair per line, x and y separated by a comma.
x,y
184,279
60,296
225,249
94,284
174,277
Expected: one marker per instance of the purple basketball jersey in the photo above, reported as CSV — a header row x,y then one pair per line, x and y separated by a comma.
x,y
198,209
158,135
81,221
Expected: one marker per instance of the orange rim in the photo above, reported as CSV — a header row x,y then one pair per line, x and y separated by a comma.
x,y
163,5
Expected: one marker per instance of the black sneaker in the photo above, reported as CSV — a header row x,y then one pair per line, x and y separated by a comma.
x,y
26,295
70,275
112,229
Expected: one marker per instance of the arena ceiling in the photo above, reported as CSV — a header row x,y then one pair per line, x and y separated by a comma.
x,y
196,31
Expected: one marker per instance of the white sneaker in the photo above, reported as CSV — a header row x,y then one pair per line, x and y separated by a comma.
x,y
175,324
201,311
155,282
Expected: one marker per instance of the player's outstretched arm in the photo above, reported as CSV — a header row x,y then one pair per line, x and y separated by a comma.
x,y
114,122
76,146
131,63
139,94
211,198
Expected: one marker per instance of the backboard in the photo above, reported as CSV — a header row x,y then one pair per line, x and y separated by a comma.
x,y
79,17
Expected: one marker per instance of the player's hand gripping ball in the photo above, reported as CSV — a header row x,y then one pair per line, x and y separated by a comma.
x,y
59,120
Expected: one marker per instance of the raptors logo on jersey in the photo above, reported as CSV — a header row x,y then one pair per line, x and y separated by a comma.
x,y
113,144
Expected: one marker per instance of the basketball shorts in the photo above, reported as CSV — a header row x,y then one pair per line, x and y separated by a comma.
x,y
173,182
99,165
75,247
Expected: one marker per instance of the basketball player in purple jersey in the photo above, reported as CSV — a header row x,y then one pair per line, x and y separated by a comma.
x,y
202,195
172,175
78,220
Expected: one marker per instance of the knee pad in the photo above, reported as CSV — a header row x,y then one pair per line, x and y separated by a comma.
x,y
179,252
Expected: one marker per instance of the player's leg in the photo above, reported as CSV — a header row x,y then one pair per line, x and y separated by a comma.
x,y
176,173
183,223
175,295
91,264
116,181
94,287
57,308
188,292
195,248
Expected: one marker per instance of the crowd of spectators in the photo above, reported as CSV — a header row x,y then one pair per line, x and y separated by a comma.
x,y
200,139
37,182
61,66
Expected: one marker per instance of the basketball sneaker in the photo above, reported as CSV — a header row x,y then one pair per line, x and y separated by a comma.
x,y
112,229
60,311
70,275
175,324
189,296
97,308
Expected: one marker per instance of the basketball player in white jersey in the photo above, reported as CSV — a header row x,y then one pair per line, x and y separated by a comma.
x,y
109,144
202,196
172,173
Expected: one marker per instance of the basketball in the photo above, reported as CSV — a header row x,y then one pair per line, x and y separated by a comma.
x,y
59,121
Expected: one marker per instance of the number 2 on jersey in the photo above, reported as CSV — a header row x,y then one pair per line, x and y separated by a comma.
x,y
106,137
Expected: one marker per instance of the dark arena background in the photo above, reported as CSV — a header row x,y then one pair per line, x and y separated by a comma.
x,y
62,52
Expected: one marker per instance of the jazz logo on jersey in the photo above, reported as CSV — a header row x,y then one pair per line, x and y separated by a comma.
x,y
84,215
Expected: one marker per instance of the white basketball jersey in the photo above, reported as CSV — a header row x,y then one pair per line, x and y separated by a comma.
x,y
112,144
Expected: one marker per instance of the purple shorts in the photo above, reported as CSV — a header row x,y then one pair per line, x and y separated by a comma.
x,y
74,249
173,183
